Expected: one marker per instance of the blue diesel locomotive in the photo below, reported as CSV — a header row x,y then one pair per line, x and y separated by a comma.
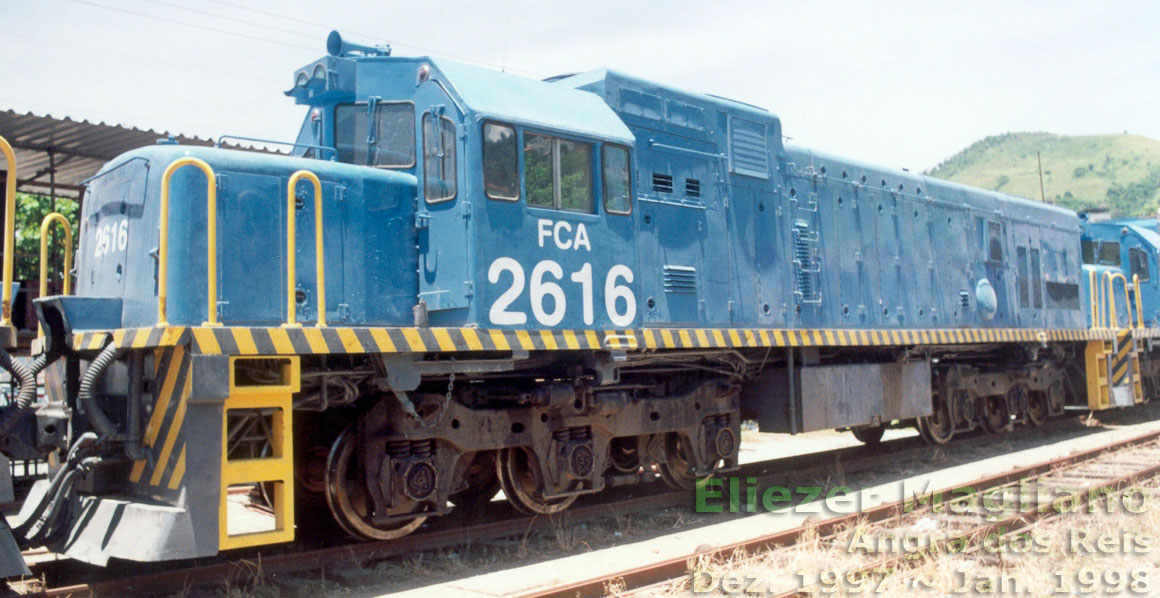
x,y
464,281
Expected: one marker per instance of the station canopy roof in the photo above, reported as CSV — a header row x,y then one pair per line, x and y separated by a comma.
x,y
76,150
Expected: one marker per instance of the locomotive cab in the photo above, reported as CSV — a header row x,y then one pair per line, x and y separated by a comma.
x,y
521,183
1120,256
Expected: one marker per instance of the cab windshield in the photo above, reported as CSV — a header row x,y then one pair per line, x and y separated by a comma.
x,y
390,143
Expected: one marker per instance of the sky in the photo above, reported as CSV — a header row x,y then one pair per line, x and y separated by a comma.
x,y
899,83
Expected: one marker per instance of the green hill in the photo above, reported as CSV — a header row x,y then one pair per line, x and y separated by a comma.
x,y
1119,172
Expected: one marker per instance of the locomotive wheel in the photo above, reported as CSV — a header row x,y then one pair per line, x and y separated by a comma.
x,y
868,434
937,428
482,485
1037,409
677,470
996,415
348,499
518,471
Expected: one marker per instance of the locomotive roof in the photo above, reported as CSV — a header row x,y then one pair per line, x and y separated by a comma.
x,y
940,188
503,96
1145,228
602,81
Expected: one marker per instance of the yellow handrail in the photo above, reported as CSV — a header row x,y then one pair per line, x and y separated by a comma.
x,y
1110,279
291,225
211,239
1136,292
9,231
68,255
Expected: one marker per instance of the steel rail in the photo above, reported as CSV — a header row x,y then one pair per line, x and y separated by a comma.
x,y
674,568
853,459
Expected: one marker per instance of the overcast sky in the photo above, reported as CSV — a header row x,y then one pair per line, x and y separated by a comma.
x,y
903,84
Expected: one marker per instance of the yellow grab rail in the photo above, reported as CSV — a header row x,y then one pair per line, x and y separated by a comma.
x,y
68,255
291,225
1110,279
211,239
9,231
1136,292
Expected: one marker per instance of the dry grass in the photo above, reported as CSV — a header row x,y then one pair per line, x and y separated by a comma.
x,y
1100,553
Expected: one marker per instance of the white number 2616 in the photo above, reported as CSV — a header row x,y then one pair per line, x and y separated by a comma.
x,y
619,300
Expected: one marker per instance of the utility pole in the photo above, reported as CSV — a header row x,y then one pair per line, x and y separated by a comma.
x,y
1042,194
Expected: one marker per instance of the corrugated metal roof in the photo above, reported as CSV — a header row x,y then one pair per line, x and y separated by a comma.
x,y
80,148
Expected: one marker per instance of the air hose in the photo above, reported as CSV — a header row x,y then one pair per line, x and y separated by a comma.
x,y
97,418
43,516
39,527
26,377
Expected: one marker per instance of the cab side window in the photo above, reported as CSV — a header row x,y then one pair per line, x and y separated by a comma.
x,y
1109,253
558,173
438,158
1088,251
575,175
617,185
390,143
1139,263
500,162
538,177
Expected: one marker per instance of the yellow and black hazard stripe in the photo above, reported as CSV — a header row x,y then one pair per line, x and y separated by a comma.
x,y
336,340
309,340
164,437
1122,361
132,338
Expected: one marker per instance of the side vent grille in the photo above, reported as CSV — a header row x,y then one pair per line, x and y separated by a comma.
x,y
692,187
965,300
748,149
806,266
662,183
680,279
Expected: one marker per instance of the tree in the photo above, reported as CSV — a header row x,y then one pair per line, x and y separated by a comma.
x,y
1135,199
30,211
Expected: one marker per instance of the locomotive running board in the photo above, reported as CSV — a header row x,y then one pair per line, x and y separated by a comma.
x,y
228,340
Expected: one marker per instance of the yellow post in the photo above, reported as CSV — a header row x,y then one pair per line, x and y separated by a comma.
x,y
1110,280
211,241
1139,310
9,231
291,226
68,255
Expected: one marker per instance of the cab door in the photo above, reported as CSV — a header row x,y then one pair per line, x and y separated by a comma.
x,y
442,216
1141,265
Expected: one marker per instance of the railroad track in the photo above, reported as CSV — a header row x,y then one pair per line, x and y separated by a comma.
x,y
1085,476
499,523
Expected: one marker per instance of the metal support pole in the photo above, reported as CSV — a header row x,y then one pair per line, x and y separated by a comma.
x,y
789,367
52,208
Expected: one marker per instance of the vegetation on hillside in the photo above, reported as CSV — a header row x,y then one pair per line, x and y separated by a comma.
x,y
1118,172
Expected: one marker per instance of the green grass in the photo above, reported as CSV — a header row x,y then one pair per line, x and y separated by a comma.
x,y
1120,172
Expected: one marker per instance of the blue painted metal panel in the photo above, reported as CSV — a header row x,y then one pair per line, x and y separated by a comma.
x,y
251,238
729,227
